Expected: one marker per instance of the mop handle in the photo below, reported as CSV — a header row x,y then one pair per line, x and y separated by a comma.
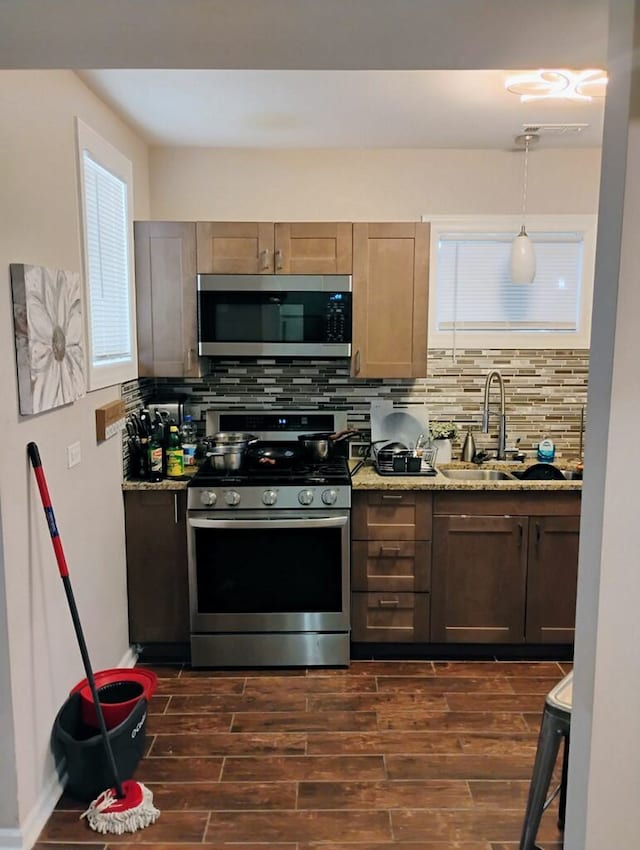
x,y
34,456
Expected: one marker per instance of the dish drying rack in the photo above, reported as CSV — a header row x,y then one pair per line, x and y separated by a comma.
x,y
404,463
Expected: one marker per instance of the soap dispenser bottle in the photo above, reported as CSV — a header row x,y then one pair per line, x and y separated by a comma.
x,y
469,447
546,450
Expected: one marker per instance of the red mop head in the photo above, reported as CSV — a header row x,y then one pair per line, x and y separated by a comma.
x,y
134,811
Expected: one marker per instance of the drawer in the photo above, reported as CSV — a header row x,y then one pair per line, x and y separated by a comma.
x,y
391,515
390,617
394,565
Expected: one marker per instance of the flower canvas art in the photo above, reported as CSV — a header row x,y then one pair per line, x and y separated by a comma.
x,y
47,316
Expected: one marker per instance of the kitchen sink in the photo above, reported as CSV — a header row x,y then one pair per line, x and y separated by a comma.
x,y
478,475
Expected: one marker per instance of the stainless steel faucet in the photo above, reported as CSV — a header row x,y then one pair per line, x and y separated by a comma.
x,y
502,419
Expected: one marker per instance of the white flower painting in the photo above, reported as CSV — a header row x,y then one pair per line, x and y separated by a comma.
x,y
47,315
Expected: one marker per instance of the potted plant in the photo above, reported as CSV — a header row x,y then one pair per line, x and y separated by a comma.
x,y
441,434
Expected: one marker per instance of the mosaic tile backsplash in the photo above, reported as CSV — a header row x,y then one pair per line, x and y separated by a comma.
x,y
545,391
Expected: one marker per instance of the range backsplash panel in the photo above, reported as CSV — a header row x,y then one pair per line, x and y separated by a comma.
x,y
545,391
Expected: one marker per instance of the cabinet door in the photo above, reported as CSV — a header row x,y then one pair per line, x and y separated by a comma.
x,y
308,248
390,300
157,579
552,579
240,247
165,258
478,579
390,617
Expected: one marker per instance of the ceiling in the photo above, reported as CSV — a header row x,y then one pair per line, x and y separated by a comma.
x,y
326,74
338,109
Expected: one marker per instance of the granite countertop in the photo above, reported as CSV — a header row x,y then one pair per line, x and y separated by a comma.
x,y
165,484
366,478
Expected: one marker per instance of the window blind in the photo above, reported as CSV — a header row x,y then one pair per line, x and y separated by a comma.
x,y
106,222
474,291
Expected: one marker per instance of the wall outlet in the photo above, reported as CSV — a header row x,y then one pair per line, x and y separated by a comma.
x,y
358,449
74,456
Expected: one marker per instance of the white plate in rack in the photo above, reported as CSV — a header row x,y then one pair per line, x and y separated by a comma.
x,y
400,423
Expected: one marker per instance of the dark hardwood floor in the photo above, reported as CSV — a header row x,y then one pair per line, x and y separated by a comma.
x,y
387,755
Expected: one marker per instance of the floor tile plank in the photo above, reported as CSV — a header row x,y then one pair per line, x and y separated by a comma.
x,y
223,796
459,767
382,742
270,768
452,721
384,795
299,826
231,743
334,721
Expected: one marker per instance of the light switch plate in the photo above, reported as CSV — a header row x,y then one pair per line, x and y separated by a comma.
x,y
74,455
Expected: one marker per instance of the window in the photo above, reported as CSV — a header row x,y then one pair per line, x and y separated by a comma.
x,y
106,181
473,303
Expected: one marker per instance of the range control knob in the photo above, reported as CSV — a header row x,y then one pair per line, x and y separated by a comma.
x,y
232,497
269,497
208,498
329,496
305,497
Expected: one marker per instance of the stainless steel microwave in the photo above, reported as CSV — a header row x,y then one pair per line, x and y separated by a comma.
x,y
274,315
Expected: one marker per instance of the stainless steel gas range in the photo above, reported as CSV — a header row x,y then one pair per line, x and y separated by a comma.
x,y
269,550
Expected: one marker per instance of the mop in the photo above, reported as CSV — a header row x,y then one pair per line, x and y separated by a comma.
x,y
128,805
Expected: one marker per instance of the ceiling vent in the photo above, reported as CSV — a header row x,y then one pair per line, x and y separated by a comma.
x,y
554,129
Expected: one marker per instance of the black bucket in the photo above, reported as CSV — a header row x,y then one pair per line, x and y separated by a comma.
x,y
88,768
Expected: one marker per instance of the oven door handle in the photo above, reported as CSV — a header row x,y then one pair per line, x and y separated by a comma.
x,y
319,522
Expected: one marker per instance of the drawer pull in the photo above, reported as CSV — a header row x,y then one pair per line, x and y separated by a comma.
x,y
388,603
387,551
388,498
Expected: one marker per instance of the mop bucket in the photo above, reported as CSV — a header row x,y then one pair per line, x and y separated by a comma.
x,y
88,769
119,691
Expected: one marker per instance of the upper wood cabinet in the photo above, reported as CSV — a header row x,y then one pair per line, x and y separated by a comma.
x,y
281,248
390,300
165,262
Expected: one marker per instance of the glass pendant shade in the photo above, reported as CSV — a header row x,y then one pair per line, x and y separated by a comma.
x,y
522,264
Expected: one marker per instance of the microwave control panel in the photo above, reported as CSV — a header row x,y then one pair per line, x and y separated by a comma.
x,y
337,315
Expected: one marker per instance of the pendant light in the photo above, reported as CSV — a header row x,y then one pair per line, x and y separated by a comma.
x,y
522,264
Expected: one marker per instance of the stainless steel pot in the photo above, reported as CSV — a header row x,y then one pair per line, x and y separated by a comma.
x,y
319,446
236,438
226,458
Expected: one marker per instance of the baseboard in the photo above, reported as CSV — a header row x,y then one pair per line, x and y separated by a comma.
x,y
130,658
25,837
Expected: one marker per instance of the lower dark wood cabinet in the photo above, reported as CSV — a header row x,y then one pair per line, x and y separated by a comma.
x,y
505,567
157,578
552,579
478,579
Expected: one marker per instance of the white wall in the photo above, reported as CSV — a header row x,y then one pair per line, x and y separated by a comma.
x,y
604,775
40,224
191,184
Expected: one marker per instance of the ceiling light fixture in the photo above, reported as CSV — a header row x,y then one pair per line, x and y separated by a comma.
x,y
559,84
522,263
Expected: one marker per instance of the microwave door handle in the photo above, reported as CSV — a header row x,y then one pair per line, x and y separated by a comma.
x,y
321,522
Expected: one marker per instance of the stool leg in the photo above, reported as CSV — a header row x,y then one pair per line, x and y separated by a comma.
x,y
563,783
546,754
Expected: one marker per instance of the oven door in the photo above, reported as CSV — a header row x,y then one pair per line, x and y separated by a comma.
x,y
279,572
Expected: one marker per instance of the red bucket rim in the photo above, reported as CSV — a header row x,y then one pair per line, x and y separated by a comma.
x,y
147,678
